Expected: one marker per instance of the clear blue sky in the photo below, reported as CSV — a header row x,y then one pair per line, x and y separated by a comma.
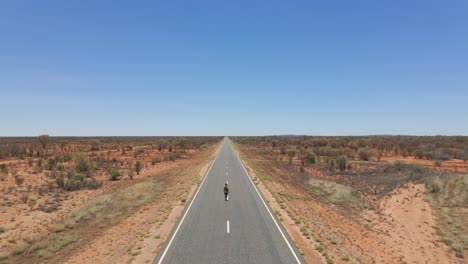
x,y
233,67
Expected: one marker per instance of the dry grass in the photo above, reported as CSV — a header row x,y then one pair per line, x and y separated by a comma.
x,y
448,195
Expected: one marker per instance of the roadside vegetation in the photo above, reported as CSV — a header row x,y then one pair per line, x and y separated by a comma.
x,y
356,175
79,187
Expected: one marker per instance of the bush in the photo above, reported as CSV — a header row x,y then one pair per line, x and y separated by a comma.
x,y
155,161
440,155
331,164
19,180
428,155
291,154
114,174
419,154
138,167
310,158
364,154
83,165
51,164
437,163
341,160
3,168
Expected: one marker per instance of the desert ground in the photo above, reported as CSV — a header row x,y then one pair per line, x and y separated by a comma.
x,y
382,199
98,200
366,199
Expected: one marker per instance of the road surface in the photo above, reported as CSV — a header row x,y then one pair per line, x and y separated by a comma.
x,y
241,230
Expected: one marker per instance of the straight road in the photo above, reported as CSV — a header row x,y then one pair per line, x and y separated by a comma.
x,y
241,230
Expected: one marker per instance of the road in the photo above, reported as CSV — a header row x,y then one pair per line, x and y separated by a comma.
x,y
241,230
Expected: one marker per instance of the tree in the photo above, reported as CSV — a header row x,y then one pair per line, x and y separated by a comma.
x,y
310,158
341,160
44,141
63,144
419,154
302,154
291,154
364,154
283,150
95,144
274,144
138,167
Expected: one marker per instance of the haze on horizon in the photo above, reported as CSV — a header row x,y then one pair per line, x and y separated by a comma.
x,y
174,68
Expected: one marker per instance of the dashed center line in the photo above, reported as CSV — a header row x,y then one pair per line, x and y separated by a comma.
x,y
227,226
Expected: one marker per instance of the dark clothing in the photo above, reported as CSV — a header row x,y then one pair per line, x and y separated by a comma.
x,y
226,192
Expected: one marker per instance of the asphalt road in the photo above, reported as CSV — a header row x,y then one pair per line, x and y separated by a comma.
x,y
241,230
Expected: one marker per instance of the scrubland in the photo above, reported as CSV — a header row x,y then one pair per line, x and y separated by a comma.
x,y
97,200
376,199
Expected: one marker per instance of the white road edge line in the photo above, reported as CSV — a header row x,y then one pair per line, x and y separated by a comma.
x,y
228,227
268,209
188,209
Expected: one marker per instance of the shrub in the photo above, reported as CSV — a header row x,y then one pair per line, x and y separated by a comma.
x,y
283,150
331,163
437,163
114,174
155,161
364,154
44,141
341,160
428,155
441,155
83,165
274,144
131,174
310,157
419,154
19,180
3,168
291,154
51,164
138,167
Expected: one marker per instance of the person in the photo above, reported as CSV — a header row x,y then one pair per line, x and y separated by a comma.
x,y
226,191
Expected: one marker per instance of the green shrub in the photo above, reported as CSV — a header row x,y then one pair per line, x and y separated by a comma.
x,y
138,167
51,164
83,165
310,157
114,174
291,154
155,161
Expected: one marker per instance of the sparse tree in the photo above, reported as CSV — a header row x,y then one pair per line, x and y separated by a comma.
x,y
302,154
63,144
138,167
44,141
341,160
274,144
94,144
419,154
283,150
364,154
310,158
291,154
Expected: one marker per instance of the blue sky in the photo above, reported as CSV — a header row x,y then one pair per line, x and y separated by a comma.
x,y
233,67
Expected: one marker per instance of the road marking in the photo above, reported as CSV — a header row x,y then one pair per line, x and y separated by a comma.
x,y
268,209
228,227
188,209
227,173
